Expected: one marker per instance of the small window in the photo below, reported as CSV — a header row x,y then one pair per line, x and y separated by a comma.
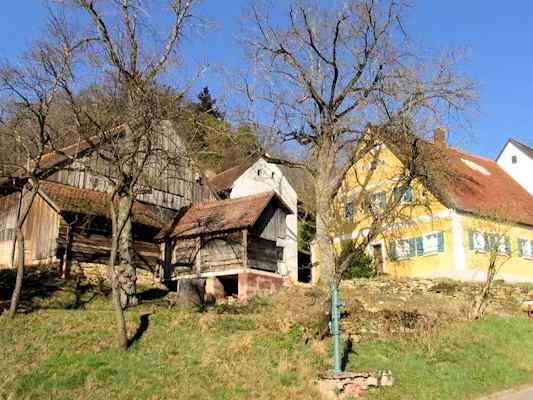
x,y
373,165
525,248
259,172
514,160
375,202
431,243
348,211
479,241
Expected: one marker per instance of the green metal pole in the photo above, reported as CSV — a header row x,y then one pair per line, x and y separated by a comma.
x,y
335,329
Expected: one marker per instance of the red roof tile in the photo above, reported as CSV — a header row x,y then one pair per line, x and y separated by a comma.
x,y
479,185
90,202
224,180
225,215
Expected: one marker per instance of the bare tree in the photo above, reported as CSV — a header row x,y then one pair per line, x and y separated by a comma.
x,y
124,60
489,238
31,98
326,71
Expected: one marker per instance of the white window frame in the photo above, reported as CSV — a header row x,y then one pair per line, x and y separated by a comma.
x,y
477,247
403,249
429,250
528,245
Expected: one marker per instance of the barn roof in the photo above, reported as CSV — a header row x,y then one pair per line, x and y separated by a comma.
x,y
65,198
225,215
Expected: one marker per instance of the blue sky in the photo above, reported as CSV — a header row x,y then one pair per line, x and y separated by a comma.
x,y
498,38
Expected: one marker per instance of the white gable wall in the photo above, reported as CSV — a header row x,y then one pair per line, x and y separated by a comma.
x,y
522,170
264,177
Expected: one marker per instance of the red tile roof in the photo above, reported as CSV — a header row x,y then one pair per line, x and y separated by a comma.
x,y
67,198
224,180
225,215
480,186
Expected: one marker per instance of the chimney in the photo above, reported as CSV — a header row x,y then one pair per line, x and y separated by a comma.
x,y
439,136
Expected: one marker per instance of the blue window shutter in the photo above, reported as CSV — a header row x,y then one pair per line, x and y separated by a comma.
x,y
486,236
440,242
412,247
395,194
471,240
520,246
383,200
420,246
408,195
393,255
508,248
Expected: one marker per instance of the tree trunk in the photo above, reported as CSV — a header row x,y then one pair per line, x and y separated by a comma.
x,y
323,210
19,240
125,271
117,227
481,301
15,297
122,333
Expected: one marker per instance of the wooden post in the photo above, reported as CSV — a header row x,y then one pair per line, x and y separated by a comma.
x,y
245,249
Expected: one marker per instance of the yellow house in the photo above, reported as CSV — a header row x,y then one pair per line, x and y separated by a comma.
x,y
447,224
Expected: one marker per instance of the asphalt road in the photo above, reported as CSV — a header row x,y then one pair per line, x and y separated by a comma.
x,y
525,393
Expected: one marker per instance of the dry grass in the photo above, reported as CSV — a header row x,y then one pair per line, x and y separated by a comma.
x,y
64,347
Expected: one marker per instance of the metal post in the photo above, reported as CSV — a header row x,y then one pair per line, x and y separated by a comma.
x,y
335,329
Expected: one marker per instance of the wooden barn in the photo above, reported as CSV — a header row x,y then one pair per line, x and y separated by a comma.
x,y
68,220
232,244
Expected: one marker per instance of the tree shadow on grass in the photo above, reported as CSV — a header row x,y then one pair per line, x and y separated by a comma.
x,y
43,288
144,323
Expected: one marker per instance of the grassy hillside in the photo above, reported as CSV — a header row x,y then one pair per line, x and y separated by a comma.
x,y
63,346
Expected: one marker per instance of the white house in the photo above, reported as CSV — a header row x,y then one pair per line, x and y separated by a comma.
x,y
257,176
517,160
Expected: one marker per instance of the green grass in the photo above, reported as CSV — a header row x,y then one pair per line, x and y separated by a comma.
x,y
459,362
60,350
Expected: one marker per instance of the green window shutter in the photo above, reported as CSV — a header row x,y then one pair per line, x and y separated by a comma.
x,y
393,254
412,247
440,241
520,246
471,240
420,246
408,195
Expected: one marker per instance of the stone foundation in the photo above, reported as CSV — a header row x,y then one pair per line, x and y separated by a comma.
x,y
351,384
253,284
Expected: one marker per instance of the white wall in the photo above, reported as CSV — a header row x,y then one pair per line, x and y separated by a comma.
x,y
271,178
522,170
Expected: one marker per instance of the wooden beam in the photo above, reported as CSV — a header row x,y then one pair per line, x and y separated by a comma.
x,y
245,248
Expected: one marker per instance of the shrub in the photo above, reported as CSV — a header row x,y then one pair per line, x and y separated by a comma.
x,y
360,266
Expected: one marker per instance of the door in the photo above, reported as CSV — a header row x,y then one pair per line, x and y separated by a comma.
x,y
377,251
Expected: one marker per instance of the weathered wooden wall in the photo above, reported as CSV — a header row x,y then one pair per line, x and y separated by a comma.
x,y
169,184
40,231
223,252
271,225
8,221
263,254
89,241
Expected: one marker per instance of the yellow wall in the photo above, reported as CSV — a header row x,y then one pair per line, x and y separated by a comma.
x,y
513,267
425,214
